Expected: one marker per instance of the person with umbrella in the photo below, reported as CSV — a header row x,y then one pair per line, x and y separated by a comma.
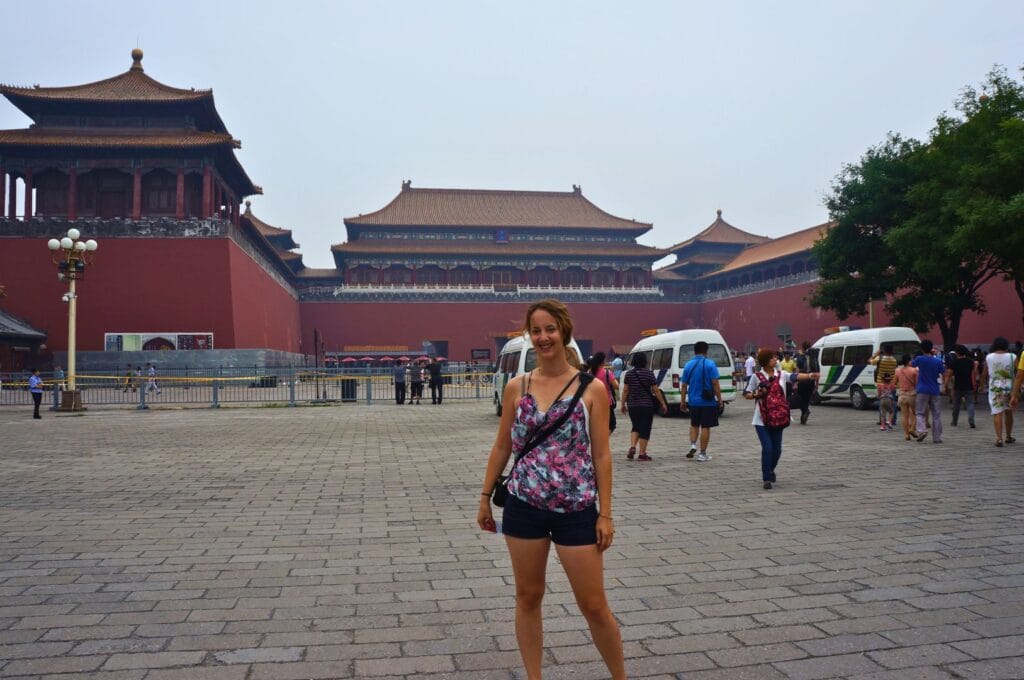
x,y
398,377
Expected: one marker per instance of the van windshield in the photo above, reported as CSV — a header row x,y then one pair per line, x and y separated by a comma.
x,y
716,353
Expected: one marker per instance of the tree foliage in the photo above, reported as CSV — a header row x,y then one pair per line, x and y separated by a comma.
x,y
925,225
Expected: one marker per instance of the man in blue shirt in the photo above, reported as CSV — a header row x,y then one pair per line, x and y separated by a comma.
x,y
617,367
929,371
35,388
701,396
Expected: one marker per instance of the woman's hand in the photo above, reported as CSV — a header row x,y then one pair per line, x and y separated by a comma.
x,y
623,407
664,408
484,518
605,533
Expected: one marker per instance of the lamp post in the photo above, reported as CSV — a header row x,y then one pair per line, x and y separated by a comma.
x,y
71,255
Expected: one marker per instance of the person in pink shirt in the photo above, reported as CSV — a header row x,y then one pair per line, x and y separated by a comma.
x,y
906,383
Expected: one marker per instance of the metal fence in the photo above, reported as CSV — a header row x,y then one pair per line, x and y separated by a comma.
x,y
286,386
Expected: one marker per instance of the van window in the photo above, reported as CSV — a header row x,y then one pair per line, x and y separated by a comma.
x,y
531,360
513,362
662,359
716,353
911,347
857,355
831,356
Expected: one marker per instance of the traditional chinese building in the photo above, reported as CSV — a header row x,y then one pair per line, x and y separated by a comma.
x,y
150,171
502,239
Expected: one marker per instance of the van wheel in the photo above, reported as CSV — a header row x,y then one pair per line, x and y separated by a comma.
x,y
858,399
671,412
497,406
721,409
816,398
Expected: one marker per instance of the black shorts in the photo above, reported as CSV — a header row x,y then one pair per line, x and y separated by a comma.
x,y
521,520
641,418
704,416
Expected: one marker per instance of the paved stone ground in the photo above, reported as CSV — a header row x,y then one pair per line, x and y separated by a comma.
x,y
339,542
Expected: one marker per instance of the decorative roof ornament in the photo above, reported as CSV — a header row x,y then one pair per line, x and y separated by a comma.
x,y
137,60
719,213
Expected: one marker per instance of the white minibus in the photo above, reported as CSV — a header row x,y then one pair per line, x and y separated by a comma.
x,y
518,356
668,351
843,360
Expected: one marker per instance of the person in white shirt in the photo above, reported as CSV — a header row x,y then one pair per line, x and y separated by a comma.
x,y
748,366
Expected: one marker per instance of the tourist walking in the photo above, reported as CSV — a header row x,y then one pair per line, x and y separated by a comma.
x,y
35,388
559,489
607,378
151,385
767,387
639,392
998,374
398,379
617,365
128,381
804,388
929,373
436,381
962,384
701,394
59,377
885,376
906,384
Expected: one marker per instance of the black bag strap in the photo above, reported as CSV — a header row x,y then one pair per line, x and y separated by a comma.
x,y
543,433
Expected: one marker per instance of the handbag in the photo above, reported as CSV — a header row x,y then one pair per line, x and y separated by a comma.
x,y
500,494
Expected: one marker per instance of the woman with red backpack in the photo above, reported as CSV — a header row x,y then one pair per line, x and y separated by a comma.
x,y
768,388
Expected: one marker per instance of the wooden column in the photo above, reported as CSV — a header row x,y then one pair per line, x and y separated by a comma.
x,y
72,193
207,206
3,192
137,193
618,278
28,195
179,199
12,194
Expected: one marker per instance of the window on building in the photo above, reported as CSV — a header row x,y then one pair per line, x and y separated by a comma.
x,y
159,192
603,278
540,276
573,277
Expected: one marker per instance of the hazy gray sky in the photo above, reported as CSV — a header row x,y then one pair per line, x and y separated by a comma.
x,y
662,111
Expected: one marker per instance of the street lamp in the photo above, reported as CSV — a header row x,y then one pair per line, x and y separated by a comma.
x,y
71,255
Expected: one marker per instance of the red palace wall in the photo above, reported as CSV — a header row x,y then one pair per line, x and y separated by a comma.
x,y
152,285
468,325
265,314
754,318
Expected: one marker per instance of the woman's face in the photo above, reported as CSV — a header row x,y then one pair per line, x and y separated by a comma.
x,y
545,335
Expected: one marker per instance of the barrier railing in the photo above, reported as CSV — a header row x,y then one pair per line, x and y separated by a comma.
x,y
288,386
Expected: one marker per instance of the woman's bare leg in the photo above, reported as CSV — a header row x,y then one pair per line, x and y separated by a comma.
x,y
529,562
584,565
997,421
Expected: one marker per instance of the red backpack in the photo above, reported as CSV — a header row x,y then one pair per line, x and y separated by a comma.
x,y
774,405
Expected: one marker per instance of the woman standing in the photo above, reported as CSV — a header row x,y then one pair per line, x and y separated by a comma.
x,y
998,372
559,490
639,392
906,383
771,414
597,369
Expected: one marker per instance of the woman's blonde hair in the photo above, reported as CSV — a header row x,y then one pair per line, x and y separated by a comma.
x,y
563,320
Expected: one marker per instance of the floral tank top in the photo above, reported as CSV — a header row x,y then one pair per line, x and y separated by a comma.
x,y
558,474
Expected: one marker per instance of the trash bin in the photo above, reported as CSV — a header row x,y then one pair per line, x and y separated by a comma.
x,y
348,389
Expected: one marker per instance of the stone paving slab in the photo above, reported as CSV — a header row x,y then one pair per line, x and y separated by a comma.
x,y
339,542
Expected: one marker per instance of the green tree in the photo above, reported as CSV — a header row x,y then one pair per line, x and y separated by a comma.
x,y
925,226
988,194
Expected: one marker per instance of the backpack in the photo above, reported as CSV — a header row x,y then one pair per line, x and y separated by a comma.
x,y
774,405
